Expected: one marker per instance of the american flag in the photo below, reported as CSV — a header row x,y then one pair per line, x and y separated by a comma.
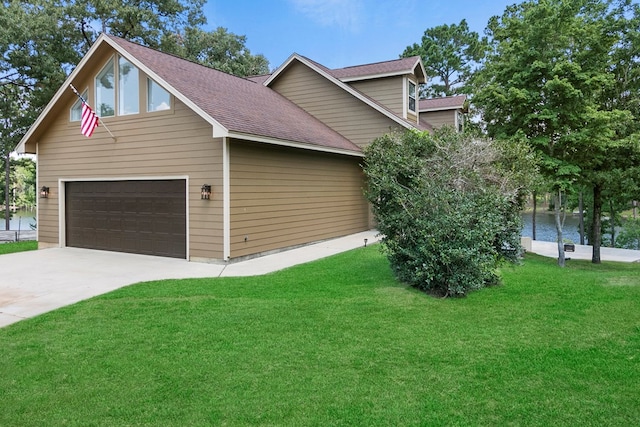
x,y
89,120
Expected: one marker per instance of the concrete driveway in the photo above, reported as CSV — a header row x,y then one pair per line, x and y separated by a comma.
x,y
35,282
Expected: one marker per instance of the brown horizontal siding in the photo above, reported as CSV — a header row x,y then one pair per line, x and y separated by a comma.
x,y
387,91
175,143
286,197
332,105
440,118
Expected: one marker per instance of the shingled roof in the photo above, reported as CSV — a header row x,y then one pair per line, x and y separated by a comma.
x,y
238,104
382,69
444,103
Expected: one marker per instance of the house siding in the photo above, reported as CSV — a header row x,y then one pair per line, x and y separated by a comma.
x,y
438,119
387,91
175,143
282,197
329,103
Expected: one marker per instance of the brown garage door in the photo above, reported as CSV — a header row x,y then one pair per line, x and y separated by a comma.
x,y
143,217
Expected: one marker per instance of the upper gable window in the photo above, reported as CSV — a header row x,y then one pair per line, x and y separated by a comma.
x,y
76,109
105,90
128,92
412,96
158,99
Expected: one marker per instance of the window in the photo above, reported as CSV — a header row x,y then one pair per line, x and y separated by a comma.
x,y
412,96
128,92
105,91
76,109
158,99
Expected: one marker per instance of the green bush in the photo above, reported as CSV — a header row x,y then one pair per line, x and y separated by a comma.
x,y
629,237
447,206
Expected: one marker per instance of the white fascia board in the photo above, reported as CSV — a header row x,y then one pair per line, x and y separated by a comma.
x,y
375,76
424,70
294,144
280,69
427,110
341,85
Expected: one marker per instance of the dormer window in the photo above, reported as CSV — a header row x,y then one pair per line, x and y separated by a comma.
x,y
412,96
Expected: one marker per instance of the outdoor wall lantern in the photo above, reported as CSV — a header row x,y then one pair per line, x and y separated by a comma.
x,y
205,192
44,192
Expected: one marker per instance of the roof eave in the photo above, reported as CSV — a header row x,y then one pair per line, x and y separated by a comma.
x,y
294,144
427,110
376,76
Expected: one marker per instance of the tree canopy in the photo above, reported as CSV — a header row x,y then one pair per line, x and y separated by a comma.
x,y
553,76
449,53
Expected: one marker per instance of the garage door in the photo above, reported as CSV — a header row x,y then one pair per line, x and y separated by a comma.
x,y
143,217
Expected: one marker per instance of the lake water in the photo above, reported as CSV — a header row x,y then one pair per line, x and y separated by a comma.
x,y
20,220
546,227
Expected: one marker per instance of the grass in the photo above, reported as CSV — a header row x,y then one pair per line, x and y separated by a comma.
x,y
11,247
335,342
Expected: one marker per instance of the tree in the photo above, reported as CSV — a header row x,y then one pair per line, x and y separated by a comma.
x,y
142,21
549,66
447,206
217,49
449,53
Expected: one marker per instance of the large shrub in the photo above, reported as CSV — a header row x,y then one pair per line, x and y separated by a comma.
x,y
447,206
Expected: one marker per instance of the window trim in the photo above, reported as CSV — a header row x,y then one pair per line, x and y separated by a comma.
x,y
410,98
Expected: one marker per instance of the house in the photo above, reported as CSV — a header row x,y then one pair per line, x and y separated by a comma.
x,y
205,166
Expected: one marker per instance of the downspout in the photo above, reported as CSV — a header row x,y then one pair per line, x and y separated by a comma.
x,y
226,200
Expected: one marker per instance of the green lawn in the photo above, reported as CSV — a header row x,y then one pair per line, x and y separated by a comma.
x,y
335,342
27,245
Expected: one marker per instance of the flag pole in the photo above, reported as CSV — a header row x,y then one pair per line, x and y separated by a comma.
x,y
83,100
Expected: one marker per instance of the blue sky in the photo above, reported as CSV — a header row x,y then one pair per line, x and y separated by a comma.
x,y
339,33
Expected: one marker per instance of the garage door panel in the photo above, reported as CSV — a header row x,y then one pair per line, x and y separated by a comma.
x,y
146,217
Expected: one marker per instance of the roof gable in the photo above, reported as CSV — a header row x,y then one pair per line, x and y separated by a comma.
x,y
234,106
328,74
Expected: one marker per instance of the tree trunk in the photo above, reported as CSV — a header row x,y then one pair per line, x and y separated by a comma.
x,y
533,218
7,203
557,204
581,209
596,230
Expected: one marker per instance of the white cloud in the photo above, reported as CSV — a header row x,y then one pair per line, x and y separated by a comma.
x,y
346,14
